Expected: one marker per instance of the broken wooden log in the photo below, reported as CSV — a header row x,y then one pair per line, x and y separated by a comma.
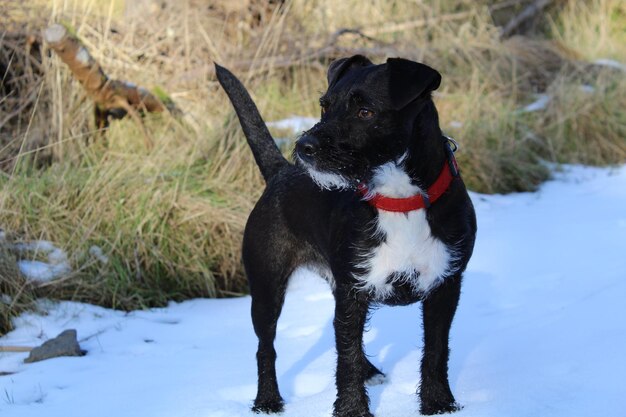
x,y
15,349
113,98
527,13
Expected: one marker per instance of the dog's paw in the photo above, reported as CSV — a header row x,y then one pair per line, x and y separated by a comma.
x,y
430,408
367,414
352,408
268,407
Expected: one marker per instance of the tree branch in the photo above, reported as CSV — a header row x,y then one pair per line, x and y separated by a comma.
x,y
112,97
529,11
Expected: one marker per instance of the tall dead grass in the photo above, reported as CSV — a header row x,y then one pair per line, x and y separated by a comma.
x,y
170,219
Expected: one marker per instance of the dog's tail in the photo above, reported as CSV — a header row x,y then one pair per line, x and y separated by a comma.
x,y
266,153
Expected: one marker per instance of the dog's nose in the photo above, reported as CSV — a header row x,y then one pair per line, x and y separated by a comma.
x,y
307,146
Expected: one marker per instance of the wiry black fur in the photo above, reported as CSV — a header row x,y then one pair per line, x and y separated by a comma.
x,y
296,223
264,149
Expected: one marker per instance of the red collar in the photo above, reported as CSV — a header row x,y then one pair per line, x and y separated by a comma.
x,y
449,172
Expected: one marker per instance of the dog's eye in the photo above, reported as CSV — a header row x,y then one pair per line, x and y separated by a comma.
x,y
365,114
324,108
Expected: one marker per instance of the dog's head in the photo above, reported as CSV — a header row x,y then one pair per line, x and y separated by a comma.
x,y
369,115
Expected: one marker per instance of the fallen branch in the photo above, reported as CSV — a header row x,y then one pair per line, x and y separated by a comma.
x,y
260,66
504,5
415,24
529,11
334,38
31,95
331,50
15,349
113,98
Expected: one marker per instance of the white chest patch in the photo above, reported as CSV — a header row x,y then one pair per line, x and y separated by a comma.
x,y
409,253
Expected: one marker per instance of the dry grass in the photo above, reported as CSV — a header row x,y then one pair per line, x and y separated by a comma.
x,y
593,28
170,219
16,294
585,123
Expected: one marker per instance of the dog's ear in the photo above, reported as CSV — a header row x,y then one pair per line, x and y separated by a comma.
x,y
338,68
409,80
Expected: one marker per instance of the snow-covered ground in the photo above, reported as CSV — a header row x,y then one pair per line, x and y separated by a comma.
x,y
540,330
296,124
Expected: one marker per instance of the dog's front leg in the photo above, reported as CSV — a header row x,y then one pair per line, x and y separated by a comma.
x,y
438,311
351,307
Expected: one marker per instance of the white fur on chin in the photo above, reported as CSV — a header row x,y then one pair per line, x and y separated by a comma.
x,y
328,181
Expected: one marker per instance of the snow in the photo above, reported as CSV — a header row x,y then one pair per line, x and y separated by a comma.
x,y
56,267
540,103
540,330
586,88
98,253
42,271
543,100
294,123
611,63
83,56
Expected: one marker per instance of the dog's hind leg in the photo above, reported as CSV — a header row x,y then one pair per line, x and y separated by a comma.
x,y
267,288
438,311
268,268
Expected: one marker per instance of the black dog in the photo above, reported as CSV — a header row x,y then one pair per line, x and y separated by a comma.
x,y
375,202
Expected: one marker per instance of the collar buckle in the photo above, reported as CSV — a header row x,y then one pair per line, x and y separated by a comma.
x,y
450,151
